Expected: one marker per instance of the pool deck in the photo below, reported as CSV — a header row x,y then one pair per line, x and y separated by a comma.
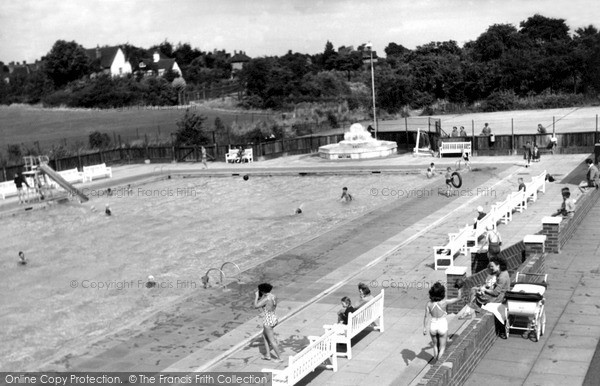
x,y
389,245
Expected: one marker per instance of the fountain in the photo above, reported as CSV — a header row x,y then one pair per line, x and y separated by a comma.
x,y
358,144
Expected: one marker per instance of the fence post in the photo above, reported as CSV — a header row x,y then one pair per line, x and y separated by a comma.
x,y
473,135
553,123
4,173
596,136
78,160
512,135
406,131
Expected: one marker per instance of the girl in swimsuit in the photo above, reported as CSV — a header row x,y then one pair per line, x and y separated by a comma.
x,y
267,302
436,309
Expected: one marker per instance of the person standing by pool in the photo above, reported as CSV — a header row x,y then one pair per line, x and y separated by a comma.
x,y
267,302
19,181
463,132
436,309
541,129
203,151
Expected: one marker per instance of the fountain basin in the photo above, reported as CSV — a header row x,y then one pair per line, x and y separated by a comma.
x,y
358,150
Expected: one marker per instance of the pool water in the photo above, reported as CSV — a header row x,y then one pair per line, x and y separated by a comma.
x,y
87,271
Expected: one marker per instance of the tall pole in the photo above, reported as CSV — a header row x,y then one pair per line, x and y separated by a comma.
x,y
373,88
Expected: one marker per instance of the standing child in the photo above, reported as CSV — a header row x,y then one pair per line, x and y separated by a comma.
x,y
436,309
203,150
465,157
346,197
448,181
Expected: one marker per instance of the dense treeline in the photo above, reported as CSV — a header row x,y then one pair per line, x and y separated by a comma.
x,y
540,64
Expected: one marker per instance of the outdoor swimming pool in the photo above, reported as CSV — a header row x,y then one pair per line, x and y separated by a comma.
x,y
87,271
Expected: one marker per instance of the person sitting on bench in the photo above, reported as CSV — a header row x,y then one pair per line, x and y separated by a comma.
x,y
591,178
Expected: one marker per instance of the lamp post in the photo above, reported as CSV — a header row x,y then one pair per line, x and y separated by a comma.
x,y
369,46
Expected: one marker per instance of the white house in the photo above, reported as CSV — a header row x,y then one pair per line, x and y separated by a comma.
x,y
158,65
110,59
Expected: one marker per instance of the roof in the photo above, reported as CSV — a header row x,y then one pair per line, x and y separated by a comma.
x,y
239,57
162,64
107,55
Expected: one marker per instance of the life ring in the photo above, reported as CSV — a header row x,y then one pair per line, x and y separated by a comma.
x,y
456,176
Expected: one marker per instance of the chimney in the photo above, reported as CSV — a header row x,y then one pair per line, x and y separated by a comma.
x,y
156,56
98,55
24,62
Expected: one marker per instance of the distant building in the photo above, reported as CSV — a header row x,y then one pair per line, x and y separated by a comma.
x,y
19,69
238,60
158,65
109,60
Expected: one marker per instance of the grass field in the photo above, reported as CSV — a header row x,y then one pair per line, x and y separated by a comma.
x,y
26,124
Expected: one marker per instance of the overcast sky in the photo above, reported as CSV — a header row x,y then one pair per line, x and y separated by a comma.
x,y
29,28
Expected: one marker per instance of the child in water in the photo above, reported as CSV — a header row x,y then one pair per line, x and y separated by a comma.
x,y
346,197
448,181
107,211
431,170
465,157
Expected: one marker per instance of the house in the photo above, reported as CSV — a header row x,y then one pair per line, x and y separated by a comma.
x,y
19,69
238,60
109,60
158,65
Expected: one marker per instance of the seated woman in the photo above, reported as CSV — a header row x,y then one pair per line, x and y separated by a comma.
x,y
495,293
365,294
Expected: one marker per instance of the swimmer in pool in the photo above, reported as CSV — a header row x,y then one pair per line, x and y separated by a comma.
x,y
346,197
107,210
431,170
448,181
22,260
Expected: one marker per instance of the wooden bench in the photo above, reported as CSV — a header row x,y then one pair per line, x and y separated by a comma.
x,y
232,156
72,175
7,189
504,209
358,320
454,148
312,356
490,219
248,155
95,171
457,244
537,183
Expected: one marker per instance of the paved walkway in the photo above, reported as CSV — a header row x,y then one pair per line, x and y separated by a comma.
x,y
217,330
563,356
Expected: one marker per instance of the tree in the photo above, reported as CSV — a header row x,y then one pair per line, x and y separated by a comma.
x,y
66,62
191,129
546,29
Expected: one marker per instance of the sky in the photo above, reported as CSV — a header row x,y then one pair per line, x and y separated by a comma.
x,y
29,28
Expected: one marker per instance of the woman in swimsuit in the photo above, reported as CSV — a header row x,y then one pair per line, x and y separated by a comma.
x,y
267,302
436,309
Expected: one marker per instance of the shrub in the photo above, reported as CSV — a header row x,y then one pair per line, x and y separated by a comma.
x,y
98,140
500,101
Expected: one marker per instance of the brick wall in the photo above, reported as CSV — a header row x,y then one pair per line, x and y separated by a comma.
x,y
468,348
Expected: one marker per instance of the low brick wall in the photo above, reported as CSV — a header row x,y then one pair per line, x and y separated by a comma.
x,y
558,234
467,349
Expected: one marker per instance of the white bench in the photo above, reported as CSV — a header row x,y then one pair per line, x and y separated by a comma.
x,y
232,155
504,209
95,171
318,351
454,148
358,320
457,244
490,219
537,183
248,155
7,189
72,175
